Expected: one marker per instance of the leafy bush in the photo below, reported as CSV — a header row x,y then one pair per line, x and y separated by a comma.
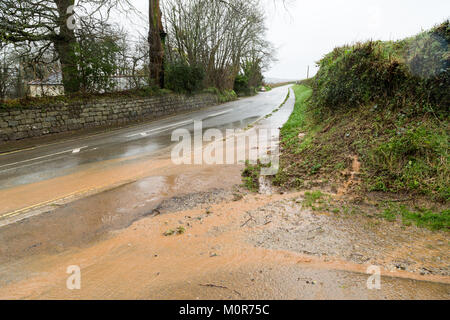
x,y
223,95
351,76
242,86
97,63
391,73
182,78
241,83
227,95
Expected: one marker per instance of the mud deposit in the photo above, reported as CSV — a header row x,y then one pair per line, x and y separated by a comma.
x,y
353,237
220,256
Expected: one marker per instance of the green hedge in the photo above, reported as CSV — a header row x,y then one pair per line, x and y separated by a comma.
x,y
391,73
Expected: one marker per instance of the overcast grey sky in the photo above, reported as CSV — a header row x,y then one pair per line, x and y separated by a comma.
x,y
303,31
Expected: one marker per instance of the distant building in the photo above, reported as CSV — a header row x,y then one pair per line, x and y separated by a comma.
x,y
51,86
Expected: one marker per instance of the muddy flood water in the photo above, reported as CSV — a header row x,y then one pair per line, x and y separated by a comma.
x,y
234,245
161,231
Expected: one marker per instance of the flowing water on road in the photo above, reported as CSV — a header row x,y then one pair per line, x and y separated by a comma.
x,y
232,244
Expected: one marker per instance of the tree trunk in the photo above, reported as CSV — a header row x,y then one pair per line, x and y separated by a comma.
x,y
65,46
156,39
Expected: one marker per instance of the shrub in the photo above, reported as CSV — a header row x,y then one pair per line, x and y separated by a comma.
x,y
227,95
223,95
351,76
242,86
391,73
97,64
182,78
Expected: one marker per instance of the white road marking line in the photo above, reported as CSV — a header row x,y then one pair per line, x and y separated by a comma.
x,y
32,164
217,114
76,150
42,157
145,133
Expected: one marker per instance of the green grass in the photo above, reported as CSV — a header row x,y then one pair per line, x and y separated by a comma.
x,y
250,176
312,197
179,230
422,217
296,122
413,158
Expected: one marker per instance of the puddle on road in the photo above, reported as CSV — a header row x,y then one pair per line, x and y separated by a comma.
x,y
89,219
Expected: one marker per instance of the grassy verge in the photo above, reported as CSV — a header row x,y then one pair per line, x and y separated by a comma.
x,y
385,106
296,121
314,150
421,217
378,102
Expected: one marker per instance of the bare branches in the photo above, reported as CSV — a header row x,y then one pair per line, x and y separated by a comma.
x,y
217,34
39,28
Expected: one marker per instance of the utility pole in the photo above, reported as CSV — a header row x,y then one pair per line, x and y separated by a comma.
x,y
307,74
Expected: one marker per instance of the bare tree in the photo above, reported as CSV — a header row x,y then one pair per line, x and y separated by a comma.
x,y
43,22
216,34
41,26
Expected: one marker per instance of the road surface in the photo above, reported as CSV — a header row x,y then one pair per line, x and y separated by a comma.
x,y
48,172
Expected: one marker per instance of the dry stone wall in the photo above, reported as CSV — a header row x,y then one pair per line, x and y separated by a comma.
x,y
17,124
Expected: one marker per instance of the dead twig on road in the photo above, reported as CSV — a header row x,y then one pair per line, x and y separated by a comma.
x,y
249,219
211,285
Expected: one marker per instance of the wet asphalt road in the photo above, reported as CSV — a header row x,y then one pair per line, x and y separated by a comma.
x,y
46,161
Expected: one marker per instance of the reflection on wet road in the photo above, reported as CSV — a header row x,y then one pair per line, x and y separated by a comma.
x,y
78,166
50,161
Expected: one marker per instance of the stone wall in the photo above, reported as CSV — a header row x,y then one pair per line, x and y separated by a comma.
x,y
16,124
